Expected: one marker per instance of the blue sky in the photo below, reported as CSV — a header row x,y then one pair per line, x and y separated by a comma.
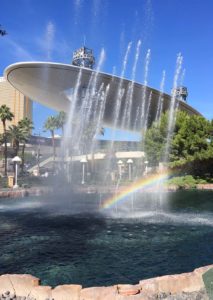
x,y
51,30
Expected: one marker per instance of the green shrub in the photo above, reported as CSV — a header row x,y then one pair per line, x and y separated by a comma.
x,y
187,181
3,182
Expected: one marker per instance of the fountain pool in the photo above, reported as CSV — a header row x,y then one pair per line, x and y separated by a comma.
x,y
55,239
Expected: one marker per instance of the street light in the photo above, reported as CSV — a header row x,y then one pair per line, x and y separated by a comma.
x,y
130,162
16,160
38,154
120,163
146,166
83,161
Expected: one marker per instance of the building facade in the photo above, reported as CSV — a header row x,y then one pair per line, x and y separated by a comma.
x,y
20,105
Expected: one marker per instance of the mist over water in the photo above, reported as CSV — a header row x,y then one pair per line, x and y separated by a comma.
x,y
142,207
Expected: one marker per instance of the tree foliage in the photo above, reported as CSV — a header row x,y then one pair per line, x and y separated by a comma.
x,y
15,136
5,115
61,119
19,134
192,137
26,126
191,144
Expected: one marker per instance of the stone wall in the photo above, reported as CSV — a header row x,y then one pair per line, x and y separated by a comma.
x,y
28,287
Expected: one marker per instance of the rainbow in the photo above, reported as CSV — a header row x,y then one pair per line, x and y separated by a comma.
x,y
143,183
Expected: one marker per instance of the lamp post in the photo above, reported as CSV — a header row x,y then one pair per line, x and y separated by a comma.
x,y
38,154
16,160
120,163
130,162
83,161
146,166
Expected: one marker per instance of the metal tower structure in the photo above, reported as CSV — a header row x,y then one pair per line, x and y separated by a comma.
x,y
181,93
83,57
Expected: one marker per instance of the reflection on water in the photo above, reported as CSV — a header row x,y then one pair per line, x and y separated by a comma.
x,y
70,240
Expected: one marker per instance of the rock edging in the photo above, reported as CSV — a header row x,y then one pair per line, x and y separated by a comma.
x,y
199,186
179,286
24,192
38,191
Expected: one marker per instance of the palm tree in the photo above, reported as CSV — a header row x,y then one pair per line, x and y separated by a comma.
x,y
51,124
61,120
26,126
5,115
15,136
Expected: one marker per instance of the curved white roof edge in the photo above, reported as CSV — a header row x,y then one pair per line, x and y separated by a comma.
x,y
46,82
55,64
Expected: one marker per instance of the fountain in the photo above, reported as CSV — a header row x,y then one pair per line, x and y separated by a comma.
x,y
94,100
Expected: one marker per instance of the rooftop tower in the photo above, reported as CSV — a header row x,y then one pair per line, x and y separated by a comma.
x,y
83,57
181,93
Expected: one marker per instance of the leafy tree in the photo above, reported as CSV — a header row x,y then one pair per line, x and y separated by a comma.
x,y
26,126
51,124
191,144
5,115
191,138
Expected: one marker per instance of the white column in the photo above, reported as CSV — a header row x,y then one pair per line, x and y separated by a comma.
x,y
83,173
16,175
